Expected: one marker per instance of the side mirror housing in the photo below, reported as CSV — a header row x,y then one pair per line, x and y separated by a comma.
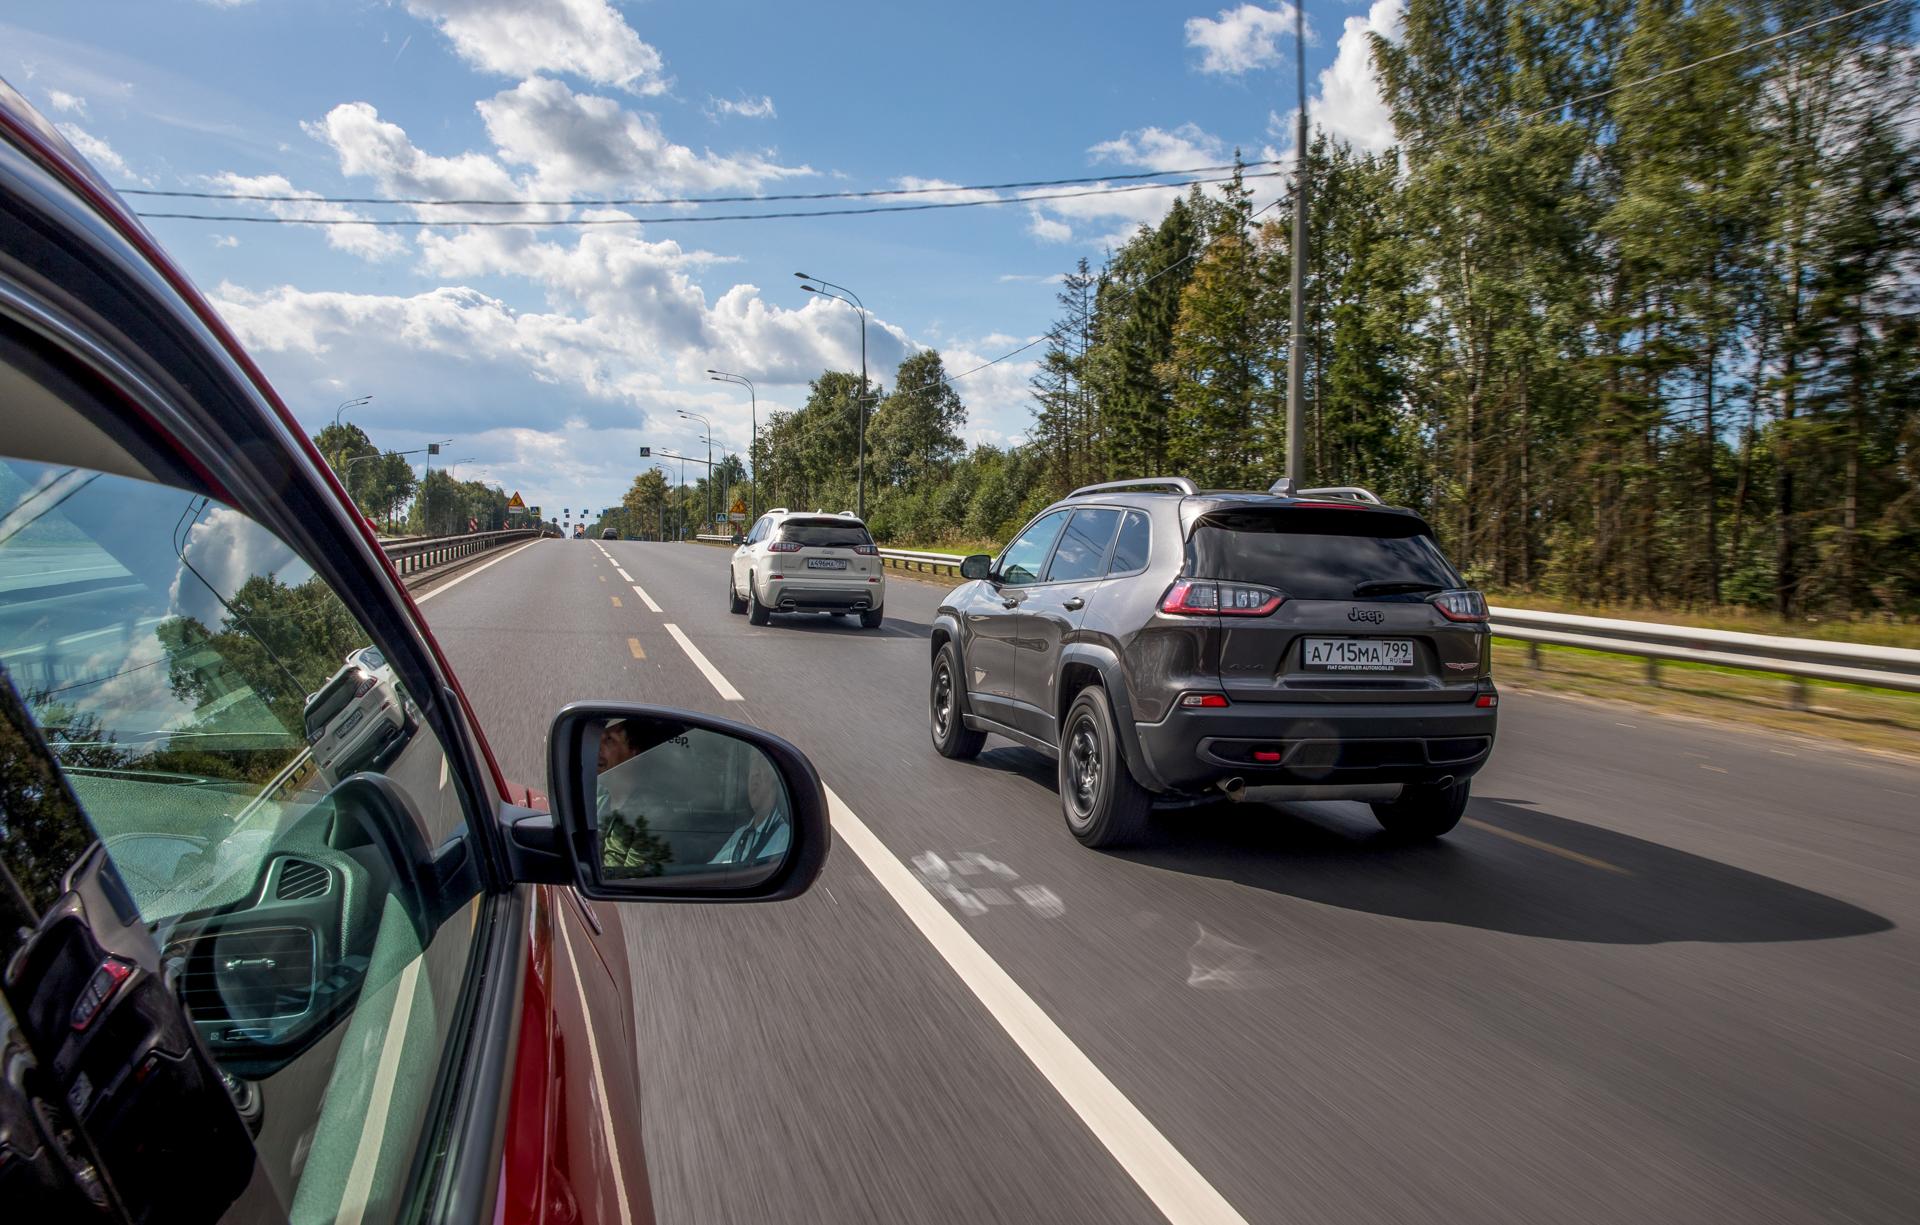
x,y
977,566
649,803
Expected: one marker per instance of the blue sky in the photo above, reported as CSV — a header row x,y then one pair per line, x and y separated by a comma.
x,y
550,354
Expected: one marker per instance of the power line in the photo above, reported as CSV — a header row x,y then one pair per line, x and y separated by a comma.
x,y
417,223
494,202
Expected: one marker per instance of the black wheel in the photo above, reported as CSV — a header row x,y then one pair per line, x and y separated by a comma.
x,y
1103,804
735,604
951,737
756,611
1424,810
870,620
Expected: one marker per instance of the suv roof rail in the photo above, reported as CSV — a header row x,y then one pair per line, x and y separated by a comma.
x,y
779,510
1180,483
1348,493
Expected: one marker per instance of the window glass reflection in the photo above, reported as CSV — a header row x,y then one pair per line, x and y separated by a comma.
x,y
674,800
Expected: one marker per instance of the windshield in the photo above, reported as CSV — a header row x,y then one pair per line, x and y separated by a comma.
x,y
825,535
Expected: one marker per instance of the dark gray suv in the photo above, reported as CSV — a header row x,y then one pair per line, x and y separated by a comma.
x,y
1162,641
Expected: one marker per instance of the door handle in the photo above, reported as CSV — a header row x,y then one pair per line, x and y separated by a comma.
x,y
1075,604
1007,603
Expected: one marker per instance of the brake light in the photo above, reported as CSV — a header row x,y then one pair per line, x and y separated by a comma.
x,y
1195,598
1266,756
365,683
784,546
1487,701
1461,605
1204,701
867,550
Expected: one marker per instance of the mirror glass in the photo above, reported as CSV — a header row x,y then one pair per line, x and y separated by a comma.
x,y
676,801
977,566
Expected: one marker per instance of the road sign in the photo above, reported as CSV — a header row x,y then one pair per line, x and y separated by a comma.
x,y
739,509
515,503
646,452
737,516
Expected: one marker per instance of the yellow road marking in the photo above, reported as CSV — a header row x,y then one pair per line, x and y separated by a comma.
x,y
1548,847
615,599
639,652
603,578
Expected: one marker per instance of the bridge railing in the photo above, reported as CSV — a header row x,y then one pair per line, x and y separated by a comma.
x,y
411,557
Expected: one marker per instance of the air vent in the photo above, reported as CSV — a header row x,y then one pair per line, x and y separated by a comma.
x,y
300,879
247,974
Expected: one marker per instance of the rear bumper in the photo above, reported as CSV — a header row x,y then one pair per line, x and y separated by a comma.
x,y
803,595
1316,743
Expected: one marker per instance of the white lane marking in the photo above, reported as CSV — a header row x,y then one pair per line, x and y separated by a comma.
x,y
1181,1193
366,1155
712,673
599,1076
624,576
457,579
645,599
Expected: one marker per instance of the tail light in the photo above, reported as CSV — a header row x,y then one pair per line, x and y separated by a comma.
x,y
1196,598
784,546
1487,701
366,682
1204,701
1461,605
867,550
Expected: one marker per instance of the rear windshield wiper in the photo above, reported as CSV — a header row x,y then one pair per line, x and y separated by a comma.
x,y
1394,586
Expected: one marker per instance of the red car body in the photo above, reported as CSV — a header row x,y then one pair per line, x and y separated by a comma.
x,y
547,1118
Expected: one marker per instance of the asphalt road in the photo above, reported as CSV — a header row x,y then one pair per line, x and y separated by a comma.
x,y
1664,971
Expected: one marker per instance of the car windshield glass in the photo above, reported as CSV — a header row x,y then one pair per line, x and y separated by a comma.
x,y
1316,554
825,535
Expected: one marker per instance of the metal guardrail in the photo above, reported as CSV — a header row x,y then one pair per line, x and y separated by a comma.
x,y
1800,659
413,556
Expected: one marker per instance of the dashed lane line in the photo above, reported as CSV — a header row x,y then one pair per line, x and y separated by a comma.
x,y
701,662
645,599
624,576
1548,847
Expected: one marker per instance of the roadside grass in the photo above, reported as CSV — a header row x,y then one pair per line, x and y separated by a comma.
x,y
1870,718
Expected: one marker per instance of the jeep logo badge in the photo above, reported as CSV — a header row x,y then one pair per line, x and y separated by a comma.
x,y
1366,614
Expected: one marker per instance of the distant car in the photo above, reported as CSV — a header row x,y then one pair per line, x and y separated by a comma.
x,y
793,562
1156,639
357,719
609,534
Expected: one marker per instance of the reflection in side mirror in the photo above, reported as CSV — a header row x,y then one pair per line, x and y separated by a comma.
x,y
977,566
657,803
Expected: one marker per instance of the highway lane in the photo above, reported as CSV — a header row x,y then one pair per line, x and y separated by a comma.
x,y
1664,972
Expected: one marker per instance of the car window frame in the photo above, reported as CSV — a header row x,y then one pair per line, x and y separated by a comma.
x,y
1046,562
1106,550
1146,517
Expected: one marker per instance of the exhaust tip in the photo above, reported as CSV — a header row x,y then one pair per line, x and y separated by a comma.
x,y
1235,789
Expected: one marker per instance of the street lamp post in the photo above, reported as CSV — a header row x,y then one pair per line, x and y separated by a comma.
x,y
703,421
353,403
753,449
851,299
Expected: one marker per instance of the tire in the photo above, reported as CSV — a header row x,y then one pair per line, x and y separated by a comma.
x,y
757,613
1424,810
871,619
951,737
1103,805
735,604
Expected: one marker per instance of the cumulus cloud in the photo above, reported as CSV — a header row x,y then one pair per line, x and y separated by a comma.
x,y
1350,105
1150,148
938,191
1023,278
587,38
225,240
365,241
1240,39
99,152
1045,228
66,103
740,108
1110,220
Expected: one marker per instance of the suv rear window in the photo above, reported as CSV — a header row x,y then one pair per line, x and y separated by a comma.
x,y
328,704
825,535
1315,554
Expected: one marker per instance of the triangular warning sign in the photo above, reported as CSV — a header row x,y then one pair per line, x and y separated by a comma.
x,y
514,502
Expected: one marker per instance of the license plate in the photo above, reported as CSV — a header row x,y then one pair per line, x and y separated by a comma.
x,y
1358,654
826,563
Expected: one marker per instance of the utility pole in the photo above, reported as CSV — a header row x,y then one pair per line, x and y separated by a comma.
x,y
1296,332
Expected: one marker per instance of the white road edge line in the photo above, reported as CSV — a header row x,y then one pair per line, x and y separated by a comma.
x,y
700,661
600,1075
373,1128
457,579
1181,1193
644,597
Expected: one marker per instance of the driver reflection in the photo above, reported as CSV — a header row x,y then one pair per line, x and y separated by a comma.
x,y
765,834
628,847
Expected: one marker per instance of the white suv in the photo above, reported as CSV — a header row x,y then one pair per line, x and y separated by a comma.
x,y
359,718
791,561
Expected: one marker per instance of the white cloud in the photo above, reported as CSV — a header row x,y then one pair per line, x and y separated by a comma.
x,y
937,191
1350,105
587,38
1046,228
1240,39
1022,278
225,240
99,152
368,242
66,103
1184,148
740,108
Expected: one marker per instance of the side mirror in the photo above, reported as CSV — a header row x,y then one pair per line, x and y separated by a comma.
x,y
977,566
651,803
